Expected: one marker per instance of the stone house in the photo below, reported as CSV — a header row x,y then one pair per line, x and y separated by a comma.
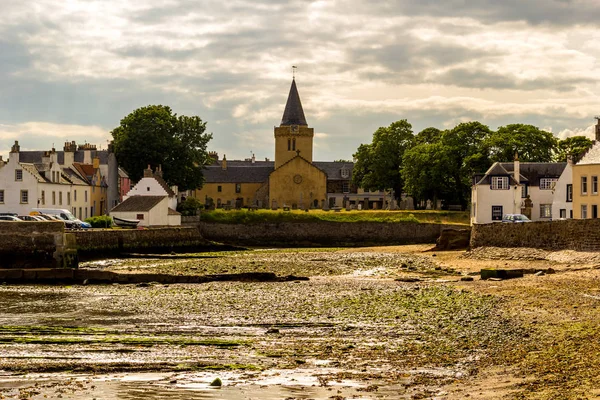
x,y
515,188
292,180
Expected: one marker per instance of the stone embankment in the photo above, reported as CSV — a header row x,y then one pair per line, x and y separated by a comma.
x,y
572,234
323,233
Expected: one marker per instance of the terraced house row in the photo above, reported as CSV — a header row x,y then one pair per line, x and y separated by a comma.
x,y
81,178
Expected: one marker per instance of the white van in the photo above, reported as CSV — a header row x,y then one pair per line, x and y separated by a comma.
x,y
63,214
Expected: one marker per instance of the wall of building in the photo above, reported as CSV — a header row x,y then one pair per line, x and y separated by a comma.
x,y
36,245
297,183
304,142
571,234
323,233
248,193
559,201
483,199
590,199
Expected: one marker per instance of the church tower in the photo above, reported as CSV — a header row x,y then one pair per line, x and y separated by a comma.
x,y
293,136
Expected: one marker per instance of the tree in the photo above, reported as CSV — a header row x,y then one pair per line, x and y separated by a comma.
x,y
425,172
378,164
574,146
531,143
428,135
154,136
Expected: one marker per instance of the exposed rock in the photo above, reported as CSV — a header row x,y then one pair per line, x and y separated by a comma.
x,y
453,239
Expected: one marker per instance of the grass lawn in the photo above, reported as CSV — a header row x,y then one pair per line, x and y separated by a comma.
x,y
258,216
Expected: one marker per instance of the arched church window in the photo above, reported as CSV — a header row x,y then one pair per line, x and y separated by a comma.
x,y
289,144
294,144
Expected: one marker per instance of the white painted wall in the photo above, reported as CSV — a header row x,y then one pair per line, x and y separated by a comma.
x,y
12,189
157,216
560,193
483,198
150,187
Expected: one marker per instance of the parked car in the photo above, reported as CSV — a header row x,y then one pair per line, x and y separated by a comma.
x,y
515,218
33,218
9,218
63,214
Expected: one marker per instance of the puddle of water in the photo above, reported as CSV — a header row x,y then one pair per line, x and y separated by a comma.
x,y
267,385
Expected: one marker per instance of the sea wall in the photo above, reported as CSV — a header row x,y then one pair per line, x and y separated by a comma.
x,y
105,242
323,233
36,245
572,234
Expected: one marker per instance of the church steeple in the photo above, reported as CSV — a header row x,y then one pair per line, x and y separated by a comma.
x,y
293,114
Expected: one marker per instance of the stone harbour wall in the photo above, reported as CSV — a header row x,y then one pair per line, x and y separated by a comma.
x,y
572,234
36,245
323,233
104,242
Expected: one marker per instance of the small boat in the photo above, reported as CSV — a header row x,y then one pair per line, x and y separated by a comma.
x,y
126,223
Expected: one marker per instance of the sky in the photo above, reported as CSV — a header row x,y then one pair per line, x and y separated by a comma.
x,y
70,70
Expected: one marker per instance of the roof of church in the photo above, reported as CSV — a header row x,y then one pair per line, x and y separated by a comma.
x,y
293,114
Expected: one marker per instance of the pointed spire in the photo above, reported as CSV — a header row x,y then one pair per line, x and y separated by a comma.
x,y
293,114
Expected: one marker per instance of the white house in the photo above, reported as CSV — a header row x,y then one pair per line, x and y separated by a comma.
x,y
562,203
505,187
151,201
24,186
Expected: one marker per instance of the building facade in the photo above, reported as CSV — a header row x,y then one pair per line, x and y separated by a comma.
x,y
586,200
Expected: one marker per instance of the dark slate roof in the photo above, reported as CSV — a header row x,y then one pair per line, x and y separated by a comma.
x,y
293,114
138,203
333,169
530,172
36,156
251,173
170,211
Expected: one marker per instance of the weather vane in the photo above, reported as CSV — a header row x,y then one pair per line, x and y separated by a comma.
x,y
294,68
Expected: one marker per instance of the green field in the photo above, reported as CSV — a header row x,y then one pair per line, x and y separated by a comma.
x,y
258,216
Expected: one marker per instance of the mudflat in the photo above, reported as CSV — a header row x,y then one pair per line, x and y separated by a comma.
x,y
380,322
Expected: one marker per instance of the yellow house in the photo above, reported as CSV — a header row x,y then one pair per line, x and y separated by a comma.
x,y
586,200
292,180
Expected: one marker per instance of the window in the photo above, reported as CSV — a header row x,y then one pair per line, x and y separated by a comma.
x,y
24,196
86,211
571,214
1,196
75,199
294,144
563,213
60,198
346,187
80,213
85,199
289,144
139,216
18,174
345,172
524,191
147,188
497,213
594,185
545,210
499,183
68,198
594,211
569,192
547,183
583,211
219,188
238,188
43,197
584,185
53,198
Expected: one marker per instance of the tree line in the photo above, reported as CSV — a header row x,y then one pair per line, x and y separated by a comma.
x,y
439,164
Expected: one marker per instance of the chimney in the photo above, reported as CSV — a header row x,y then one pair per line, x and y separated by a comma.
x,y
96,162
214,155
253,158
87,152
69,153
14,152
598,129
46,158
148,172
570,159
159,171
517,169
224,163
53,156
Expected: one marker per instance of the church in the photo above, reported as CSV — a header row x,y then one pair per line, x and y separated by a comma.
x,y
293,180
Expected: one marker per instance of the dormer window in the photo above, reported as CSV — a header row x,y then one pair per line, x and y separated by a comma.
x,y
547,183
345,172
499,182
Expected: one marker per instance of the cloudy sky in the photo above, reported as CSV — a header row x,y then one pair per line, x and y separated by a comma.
x,y
70,70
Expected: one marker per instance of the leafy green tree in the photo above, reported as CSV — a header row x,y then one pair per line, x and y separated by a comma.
x,y
378,163
530,142
425,172
428,135
189,206
154,135
574,146
466,151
